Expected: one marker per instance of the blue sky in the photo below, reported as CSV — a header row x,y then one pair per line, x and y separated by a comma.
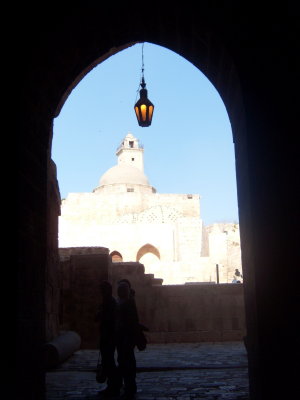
x,y
187,149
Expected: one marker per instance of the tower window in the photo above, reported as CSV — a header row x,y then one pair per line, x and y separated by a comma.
x,y
131,143
130,189
132,159
189,196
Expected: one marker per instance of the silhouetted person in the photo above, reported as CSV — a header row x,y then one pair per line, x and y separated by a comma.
x,y
106,318
131,291
140,340
126,328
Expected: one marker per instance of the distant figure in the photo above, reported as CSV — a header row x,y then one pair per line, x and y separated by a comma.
x,y
237,275
106,318
126,327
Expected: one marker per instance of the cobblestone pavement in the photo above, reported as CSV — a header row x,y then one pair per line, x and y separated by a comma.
x,y
179,371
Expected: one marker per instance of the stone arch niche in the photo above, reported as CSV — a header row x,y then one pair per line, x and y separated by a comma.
x,y
57,48
149,256
116,256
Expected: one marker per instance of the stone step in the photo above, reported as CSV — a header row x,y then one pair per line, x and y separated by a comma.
x,y
152,280
149,276
157,282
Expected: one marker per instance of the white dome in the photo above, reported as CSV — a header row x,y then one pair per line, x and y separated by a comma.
x,y
123,174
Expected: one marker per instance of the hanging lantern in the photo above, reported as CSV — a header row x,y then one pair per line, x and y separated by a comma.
x,y
143,107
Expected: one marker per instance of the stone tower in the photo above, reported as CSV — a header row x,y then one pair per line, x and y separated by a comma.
x,y
131,153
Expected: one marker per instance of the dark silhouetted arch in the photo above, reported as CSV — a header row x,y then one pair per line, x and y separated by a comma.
x,y
244,55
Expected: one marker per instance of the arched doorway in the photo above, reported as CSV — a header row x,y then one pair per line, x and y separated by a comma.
x,y
147,249
149,256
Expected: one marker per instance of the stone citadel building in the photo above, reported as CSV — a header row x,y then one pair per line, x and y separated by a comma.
x,y
164,232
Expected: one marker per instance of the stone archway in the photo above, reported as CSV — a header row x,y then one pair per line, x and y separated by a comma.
x,y
149,256
147,249
54,54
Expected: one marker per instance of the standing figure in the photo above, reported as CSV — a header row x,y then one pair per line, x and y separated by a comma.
x,y
126,328
106,318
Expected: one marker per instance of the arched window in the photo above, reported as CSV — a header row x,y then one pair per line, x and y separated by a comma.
x,y
116,256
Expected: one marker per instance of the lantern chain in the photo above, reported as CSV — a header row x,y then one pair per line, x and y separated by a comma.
x,y
142,75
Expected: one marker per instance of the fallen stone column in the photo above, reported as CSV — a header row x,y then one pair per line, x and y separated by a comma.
x,y
61,348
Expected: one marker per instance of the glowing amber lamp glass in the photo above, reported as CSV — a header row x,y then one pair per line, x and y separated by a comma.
x,y
144,112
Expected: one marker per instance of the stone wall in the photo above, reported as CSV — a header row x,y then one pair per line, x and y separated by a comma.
x,y
184,313
225,249
52,293
194,313
185,250
66,252
80,276
173,313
